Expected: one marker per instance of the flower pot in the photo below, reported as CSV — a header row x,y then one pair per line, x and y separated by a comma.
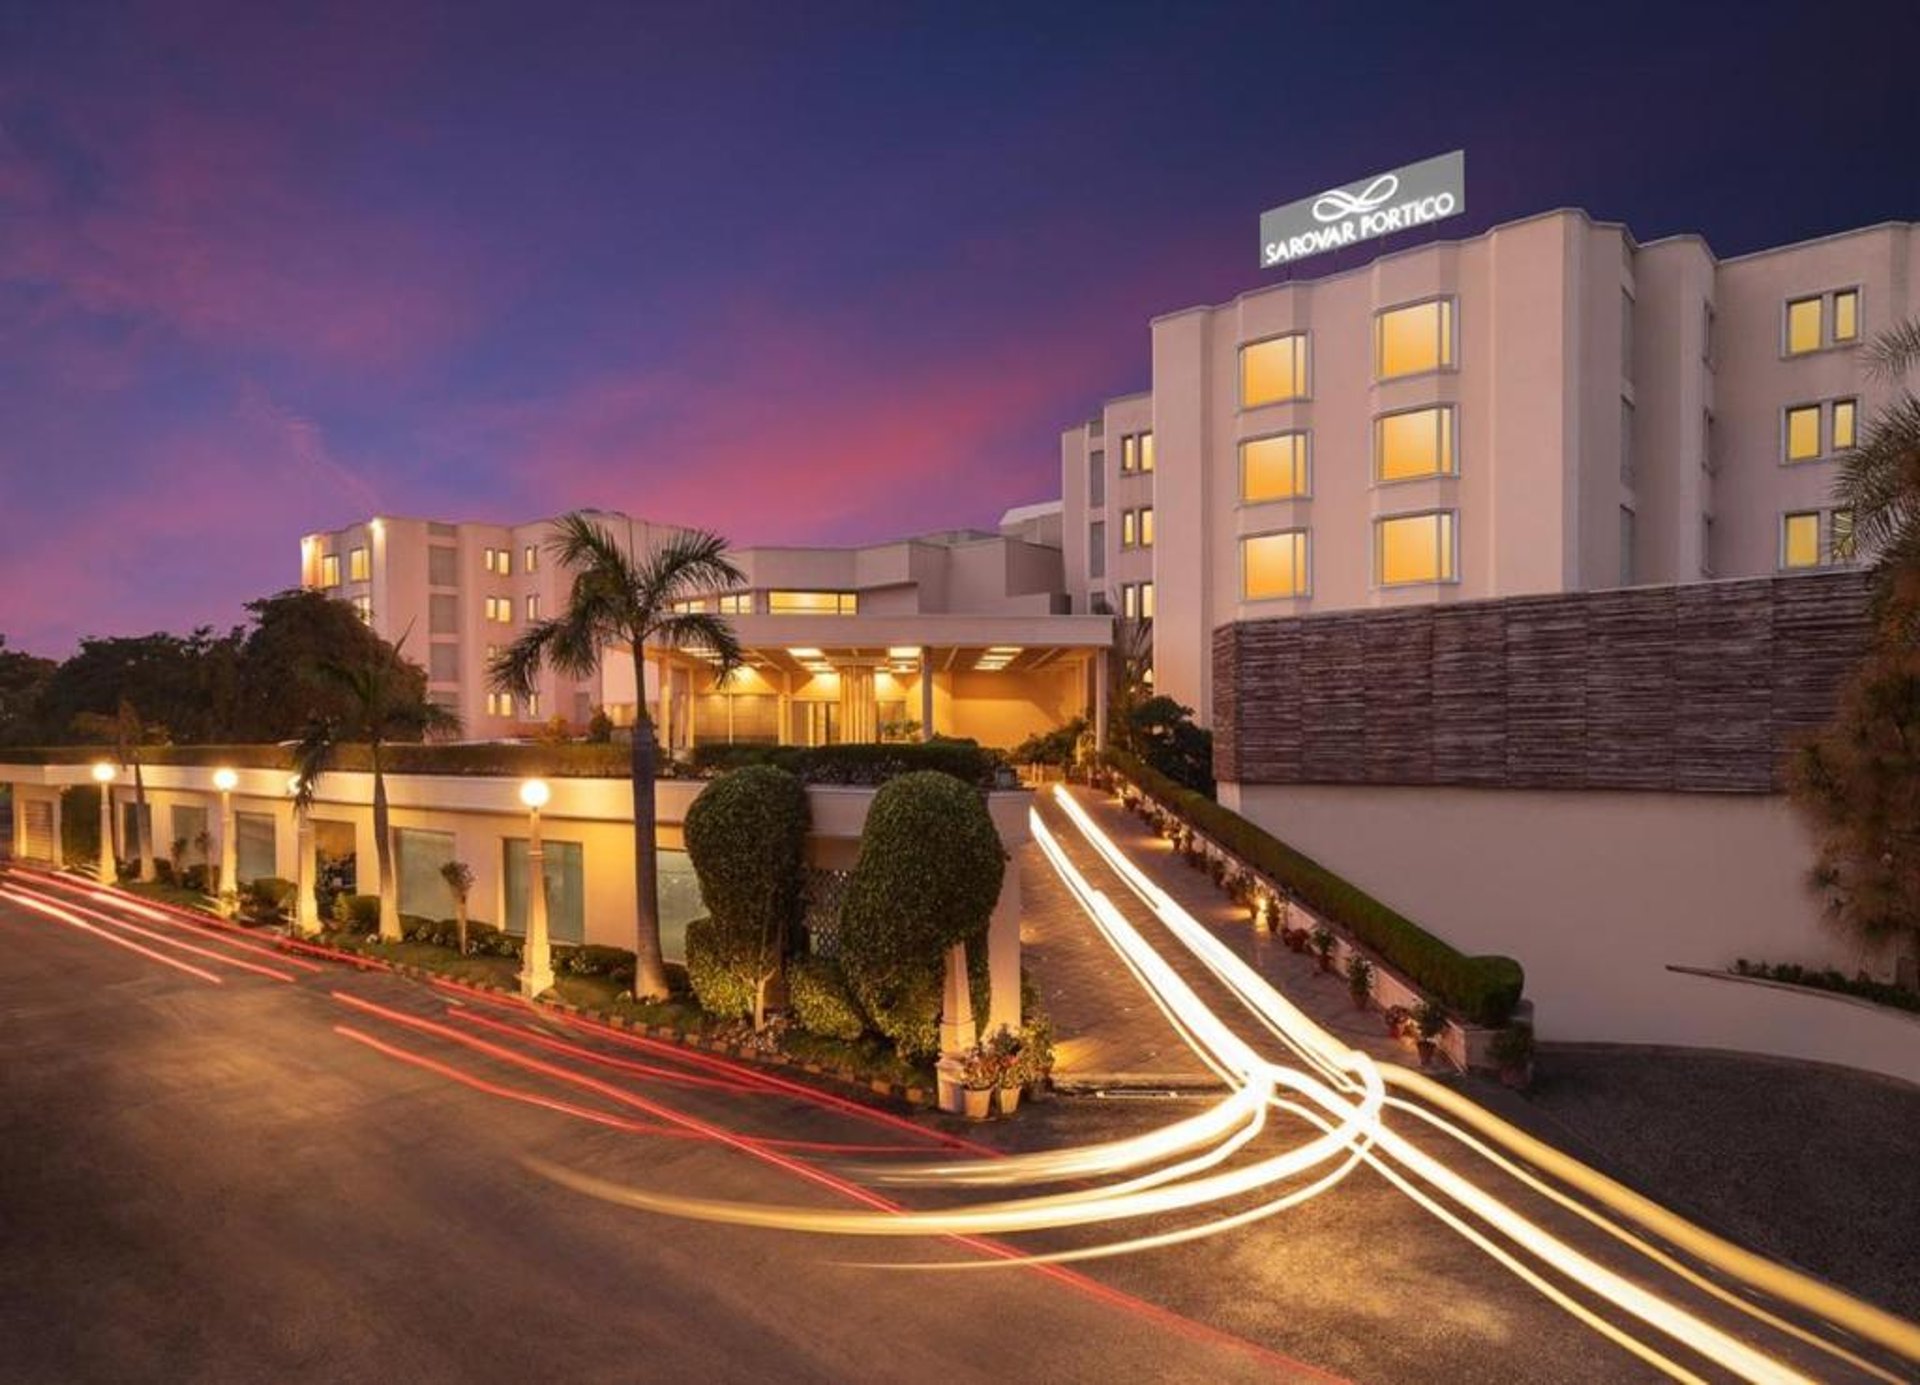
x,y
1009,1100
979,1102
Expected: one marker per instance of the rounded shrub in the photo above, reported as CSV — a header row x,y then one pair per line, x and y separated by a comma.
x,y
821,1002
927,877
747,839
720,969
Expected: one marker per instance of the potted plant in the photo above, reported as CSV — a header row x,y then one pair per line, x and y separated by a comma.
x,y
1359,980
1321,941
1398,1020
1512,1053
1012,1061
979,1075
1430,1021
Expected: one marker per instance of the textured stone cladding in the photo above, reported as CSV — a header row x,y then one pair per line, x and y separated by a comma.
x,y
1697,688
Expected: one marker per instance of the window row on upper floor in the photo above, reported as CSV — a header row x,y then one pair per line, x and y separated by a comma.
x,y
1414,339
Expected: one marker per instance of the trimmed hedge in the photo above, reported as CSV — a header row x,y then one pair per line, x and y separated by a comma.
x,y
358,913
863,765
821,1003
1481,989
721,970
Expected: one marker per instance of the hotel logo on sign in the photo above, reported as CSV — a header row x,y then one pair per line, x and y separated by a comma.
x,y
1416,195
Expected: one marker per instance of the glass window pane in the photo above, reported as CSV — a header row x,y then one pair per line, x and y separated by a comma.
x,y
183,847
1146,601
443,566
1272,371
1800,545
1146,527
566,889
1273,566
1840,537
812,603
1803,433
1097,478
1129,452
1097,549
1273,468
1843,418
357,565
419,856
1419,443
1846,315
253,846
1415,548
1803,325
1415,339
1146,452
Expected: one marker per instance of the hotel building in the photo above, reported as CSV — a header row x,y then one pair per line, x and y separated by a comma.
x,y
963,633
1548,407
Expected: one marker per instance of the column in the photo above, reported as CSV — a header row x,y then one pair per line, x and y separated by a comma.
x,y
926,693
665,724
1100,680
1003,952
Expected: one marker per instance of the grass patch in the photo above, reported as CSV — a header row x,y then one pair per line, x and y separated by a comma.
x,y
160,892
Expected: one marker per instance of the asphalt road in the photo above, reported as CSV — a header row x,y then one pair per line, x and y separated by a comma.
x,y
211,1182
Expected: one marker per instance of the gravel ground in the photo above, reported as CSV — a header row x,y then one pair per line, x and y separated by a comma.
x,y
1814,1165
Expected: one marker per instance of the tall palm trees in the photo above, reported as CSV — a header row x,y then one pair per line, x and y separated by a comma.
x,y
128,731
386,701
626,601
1880,478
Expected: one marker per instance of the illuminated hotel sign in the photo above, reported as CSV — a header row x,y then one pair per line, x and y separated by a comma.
x,y
1416,195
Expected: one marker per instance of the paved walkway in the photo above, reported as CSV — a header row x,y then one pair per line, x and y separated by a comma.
x,y
1108,1033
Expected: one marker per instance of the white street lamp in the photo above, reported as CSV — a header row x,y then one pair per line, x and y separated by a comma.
x,y
103,772
536,964
225,780
306,908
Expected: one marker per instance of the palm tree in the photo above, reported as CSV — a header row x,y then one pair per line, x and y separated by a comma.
x,y
128,731
384,705
1880,478
459,878
620,601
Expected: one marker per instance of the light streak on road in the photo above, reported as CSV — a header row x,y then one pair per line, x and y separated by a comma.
x,y
165,940
60,915
1349,1115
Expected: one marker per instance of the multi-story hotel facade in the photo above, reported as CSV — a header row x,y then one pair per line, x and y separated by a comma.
x,y
1546,407
962,633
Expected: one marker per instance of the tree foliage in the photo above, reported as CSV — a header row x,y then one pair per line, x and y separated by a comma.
x,y
747,838
1164,734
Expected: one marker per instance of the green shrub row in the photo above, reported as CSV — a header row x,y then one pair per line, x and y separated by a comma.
x,y
720,968
821,1004
863,765
1481,989
1830,979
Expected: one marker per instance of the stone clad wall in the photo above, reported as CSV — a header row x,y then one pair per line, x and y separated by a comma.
x,y
1695,688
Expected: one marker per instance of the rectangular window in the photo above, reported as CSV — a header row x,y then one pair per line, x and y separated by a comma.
x,y
1410,549
1413,340
562,869
499,704
490,560
813,603
1803,326
1844,413
1146,527
530,559
1129,528
1626,546
1273,468
1800,540
506,562
1840,544
531,705
443,566
330,570
357,565
1273,566
1129,453
533,607
1416,443
1130,600
1803,432
443,614
421,854
1097,477
1097,548
1846,315
736,603
1146,601
363,607
443,663
1273,371
252,846
1146,452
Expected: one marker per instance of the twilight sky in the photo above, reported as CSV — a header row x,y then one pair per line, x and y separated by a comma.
x,y
797,271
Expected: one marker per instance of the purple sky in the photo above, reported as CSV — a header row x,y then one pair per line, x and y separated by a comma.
x,y
798,272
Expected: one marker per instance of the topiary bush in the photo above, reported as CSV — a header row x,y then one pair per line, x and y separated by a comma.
x,y
720,968
266,899
927,877
747,840
820,1000
357,913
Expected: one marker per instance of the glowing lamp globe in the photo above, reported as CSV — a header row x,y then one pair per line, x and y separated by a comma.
x,y
102,772
534,793
224,780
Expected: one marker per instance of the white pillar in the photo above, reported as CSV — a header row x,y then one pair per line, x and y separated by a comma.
x,y
306,909
536,956
107,872
1100,677
926,693
229,856
1003,953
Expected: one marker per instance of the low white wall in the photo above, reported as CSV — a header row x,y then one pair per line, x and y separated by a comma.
x,y
1598,894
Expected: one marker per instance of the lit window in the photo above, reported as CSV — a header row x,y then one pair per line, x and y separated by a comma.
x,y
1273,468
1413,548
736,604
330,570
533,606
1844,413
490,560
1129,528
813,603
1129,453
1146,527
1803,326
532,559
1273,371
1130,600
1413,340
692,607
1412,444
1800,540
1146,452
1273,566
533,705
363,606
357,565
1146,601
1803,432
1840,543
1846,315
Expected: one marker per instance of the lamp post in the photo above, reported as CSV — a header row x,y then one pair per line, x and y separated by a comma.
x,y
103,776
536,957
306,909
225,780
